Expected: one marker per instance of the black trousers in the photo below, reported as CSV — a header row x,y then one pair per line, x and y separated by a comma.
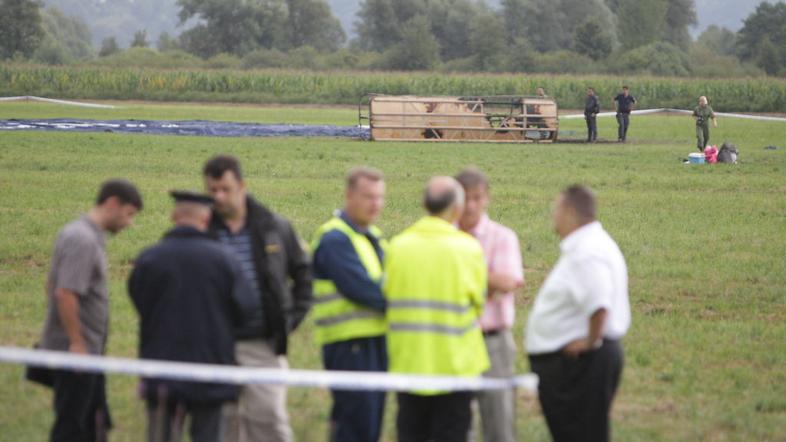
x,y
576,393
623,122
592,127
81,411
437,418
166,420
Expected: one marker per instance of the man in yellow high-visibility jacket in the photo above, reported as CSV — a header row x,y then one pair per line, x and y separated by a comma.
x,y
435,284
349,309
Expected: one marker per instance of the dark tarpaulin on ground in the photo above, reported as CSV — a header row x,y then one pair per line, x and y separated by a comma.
x,y
196,127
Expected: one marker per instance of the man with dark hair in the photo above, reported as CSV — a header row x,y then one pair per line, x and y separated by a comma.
x,y
623,103
190,295
77,317
505,275
278,270
435,283
349,308
575,328
591,110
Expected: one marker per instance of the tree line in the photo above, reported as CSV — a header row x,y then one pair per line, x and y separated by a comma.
x,y
565,36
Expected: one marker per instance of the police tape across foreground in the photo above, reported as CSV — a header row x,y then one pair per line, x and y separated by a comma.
x,y
427,314
237,375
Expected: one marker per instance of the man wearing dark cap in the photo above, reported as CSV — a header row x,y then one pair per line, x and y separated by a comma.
x,y
435,289
77,318
190,294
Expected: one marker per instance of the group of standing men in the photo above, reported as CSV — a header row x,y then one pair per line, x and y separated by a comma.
x,y
623,104
231,280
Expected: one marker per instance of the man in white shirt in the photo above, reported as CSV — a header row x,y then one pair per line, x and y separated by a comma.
x,y
574,330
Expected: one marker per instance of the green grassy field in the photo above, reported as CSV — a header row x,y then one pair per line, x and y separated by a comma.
x,y
705,245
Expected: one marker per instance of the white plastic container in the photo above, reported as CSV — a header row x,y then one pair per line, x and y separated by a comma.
x,y
696,158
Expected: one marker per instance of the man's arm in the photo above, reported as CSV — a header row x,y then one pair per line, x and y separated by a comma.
x,y
68,311
335,259
299,269
503,282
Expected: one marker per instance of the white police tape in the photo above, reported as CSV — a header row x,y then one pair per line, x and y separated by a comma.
x,y
678,111
52,100
344,380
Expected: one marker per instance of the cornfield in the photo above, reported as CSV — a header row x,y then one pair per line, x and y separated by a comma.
x,y
280,86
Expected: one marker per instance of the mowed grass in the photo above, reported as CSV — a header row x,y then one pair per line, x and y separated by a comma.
x,y
705,245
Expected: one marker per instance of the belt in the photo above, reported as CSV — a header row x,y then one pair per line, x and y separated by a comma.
x,y
493,332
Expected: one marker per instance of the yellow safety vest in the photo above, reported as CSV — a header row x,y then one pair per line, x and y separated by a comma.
x,y
336,317
435,285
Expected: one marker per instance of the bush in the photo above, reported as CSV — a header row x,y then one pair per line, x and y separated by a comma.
x,y
658,58
150,58
264,58
223,61
51,52
562,62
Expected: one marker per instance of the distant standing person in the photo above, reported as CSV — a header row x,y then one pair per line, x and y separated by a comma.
x,y
703,113
189,293
580,315
278,269
591,110
624,104
505,275
77,318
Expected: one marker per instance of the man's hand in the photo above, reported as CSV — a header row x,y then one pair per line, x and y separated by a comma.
x,y
78,347
68,310
575,348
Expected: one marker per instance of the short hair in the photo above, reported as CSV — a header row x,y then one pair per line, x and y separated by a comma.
x,y
217,166
369,173
582,200
472,177
436,204
626,87
590,88
122,189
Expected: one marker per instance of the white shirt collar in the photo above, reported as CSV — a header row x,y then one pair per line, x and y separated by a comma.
x,y
571,241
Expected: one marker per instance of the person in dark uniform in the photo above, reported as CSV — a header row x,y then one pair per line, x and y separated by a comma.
x,y
591,110
623,103
189,293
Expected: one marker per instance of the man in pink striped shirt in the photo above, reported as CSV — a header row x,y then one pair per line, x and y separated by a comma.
x,y
505,275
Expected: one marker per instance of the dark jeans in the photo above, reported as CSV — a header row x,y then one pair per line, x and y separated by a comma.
x,y
356,415
81,411
165,421
576,393
623,122
592,127
437,418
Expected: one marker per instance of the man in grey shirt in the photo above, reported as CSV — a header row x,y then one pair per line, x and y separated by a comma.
x,y
77,316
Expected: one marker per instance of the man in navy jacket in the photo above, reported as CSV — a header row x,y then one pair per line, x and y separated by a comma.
x,y
190,295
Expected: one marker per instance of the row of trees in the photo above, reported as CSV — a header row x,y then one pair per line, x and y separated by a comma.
x,y
464,35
